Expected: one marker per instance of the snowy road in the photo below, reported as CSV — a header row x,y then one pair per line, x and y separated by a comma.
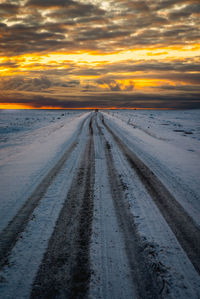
x,y
100,223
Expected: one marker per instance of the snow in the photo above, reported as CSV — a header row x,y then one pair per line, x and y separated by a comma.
x,y
28,153
178,273
173,156
33,242
178,127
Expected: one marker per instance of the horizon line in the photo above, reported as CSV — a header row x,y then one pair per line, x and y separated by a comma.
x,y
6,106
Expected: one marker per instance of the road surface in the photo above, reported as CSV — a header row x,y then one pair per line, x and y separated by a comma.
x,y
79,235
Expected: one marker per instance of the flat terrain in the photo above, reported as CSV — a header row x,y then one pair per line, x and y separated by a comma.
x,y
100,204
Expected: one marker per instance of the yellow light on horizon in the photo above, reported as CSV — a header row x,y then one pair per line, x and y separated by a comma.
x,y
63,60
15,106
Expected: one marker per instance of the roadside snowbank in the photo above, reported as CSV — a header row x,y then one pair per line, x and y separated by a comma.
x,y
176,166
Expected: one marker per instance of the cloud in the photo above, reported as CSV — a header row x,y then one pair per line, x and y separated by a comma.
x,y
8,64
51,25
19,83
155,66
48,3
6,9
180,87
138,100
34,84
42,27
100,34
115,85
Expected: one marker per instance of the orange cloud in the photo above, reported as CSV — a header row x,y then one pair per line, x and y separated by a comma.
x,y
62,60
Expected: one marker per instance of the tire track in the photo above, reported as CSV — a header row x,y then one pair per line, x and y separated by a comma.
x,y
182,225
10,234
147,283
65,269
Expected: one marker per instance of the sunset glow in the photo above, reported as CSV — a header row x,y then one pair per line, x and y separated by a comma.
x,y
14,106
63,60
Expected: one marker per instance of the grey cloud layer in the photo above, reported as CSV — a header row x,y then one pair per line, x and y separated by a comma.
x,y
36,84
137,100
70,25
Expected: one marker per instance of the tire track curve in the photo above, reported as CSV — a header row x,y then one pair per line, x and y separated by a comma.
x,y
146,281
183,226
10,234
65,269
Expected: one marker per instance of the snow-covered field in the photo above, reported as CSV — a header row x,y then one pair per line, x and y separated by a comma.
x,y
99,204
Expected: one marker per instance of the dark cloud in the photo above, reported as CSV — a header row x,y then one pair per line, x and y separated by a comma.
x,y
49,3
19,83
52,25
185,13
22,39
138,100
34,84
168,4
73,10
7,9
155,66
9,64
185,88
100,33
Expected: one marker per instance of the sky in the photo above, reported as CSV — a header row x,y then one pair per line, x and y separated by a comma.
x,y
95,53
